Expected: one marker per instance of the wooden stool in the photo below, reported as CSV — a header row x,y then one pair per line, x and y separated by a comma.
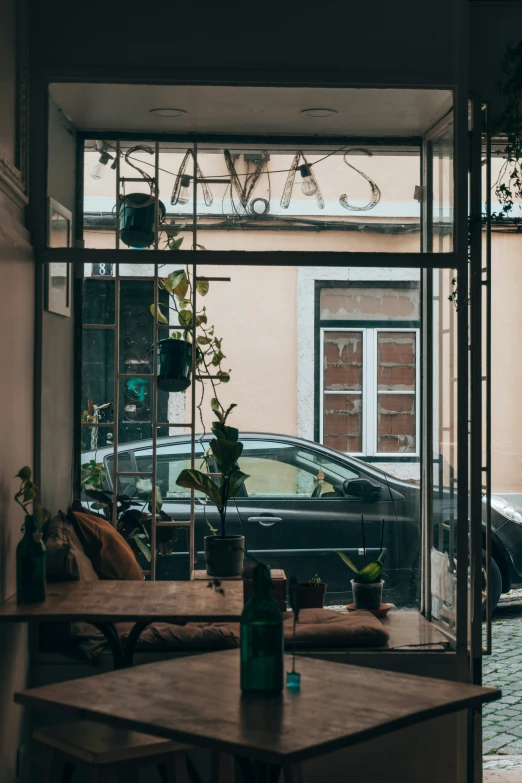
x,y
109,751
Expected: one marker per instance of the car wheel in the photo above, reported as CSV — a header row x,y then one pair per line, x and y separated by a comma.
x,y
496,584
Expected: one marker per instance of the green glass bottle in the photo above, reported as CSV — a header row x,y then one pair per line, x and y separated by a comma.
x,y
262,638
30,564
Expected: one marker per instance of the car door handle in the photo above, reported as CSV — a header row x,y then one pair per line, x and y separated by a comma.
x,y
265,521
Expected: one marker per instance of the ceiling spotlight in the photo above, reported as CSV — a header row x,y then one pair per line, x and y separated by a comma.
x,y
168,112
319,112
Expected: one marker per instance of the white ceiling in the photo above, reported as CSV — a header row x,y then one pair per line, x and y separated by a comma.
x,y
251,110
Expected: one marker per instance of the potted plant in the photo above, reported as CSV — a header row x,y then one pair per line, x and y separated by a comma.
x,y
30,552
367,585
312,593
224,553
175,351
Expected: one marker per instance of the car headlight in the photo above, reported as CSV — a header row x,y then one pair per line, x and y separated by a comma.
x,y
510,511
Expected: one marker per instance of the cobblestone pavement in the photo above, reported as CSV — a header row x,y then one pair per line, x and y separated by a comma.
x,y
502,720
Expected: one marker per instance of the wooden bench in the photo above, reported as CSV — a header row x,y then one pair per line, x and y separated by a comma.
x,y
108,752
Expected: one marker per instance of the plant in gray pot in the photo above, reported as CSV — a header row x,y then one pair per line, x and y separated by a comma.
x,y
224,553
367,585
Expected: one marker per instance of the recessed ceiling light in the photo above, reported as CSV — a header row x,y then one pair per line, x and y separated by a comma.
x,y
319,112
168,112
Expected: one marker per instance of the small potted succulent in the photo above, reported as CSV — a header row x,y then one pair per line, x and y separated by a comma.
x,y
224,553
312,593
30,552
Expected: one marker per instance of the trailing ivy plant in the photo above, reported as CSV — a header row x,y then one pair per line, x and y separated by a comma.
x,y
508,185
26,497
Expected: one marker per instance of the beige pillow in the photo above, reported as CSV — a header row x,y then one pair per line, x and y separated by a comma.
x,y
66,559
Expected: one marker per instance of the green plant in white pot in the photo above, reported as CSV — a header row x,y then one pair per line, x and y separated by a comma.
x,y
224,553
367,585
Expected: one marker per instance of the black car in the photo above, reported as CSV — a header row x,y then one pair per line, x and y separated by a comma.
x,y
303,501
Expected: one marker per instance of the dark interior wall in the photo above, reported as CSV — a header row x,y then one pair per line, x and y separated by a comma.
x,y
493,24
58,337
16,410
401,42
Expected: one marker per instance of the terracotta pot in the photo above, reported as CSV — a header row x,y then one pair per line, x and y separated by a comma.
x,y
311,594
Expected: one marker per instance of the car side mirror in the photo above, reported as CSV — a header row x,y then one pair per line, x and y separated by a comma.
x,y
362,488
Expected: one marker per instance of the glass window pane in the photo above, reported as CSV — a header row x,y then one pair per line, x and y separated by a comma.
x,y
370,303
396,424
97,375
343,361
396,361
343,422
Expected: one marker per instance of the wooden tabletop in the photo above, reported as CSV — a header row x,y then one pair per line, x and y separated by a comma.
x,y
115,601
198,700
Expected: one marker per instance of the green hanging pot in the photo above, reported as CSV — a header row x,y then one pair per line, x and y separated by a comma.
x,y
137,221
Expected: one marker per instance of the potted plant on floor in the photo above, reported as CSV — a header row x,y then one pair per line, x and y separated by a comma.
x,y
367,585
224,553
30,552
312,593
175,351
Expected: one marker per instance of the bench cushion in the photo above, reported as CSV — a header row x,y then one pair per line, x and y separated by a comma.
x,y
109,553
65,557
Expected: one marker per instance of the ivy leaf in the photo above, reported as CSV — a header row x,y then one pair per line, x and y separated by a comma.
x,y
161,317
24,474
29,492
202,287
203,340
185,318
224,377
175,336
214,404
200,482
175,278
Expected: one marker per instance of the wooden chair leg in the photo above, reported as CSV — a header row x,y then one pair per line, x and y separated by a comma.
x,y
68,772
293,774
49,765
222,768
175,769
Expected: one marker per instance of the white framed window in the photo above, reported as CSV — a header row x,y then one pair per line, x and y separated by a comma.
x,y
369,386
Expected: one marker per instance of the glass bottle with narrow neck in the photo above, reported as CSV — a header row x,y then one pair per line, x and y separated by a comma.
x,y
262,638
30,564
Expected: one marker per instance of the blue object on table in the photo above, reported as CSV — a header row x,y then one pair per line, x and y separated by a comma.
x,y
293,681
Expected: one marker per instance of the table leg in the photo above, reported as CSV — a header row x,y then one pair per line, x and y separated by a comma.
x,y
122,655
254,771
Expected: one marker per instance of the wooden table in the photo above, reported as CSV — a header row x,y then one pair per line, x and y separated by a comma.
x,y
198,700
104,603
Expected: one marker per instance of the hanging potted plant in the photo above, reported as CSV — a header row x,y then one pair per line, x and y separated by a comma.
x,y
175,351
224,553
30,552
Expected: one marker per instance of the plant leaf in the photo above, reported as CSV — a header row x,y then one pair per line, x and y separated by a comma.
x,y
226,452
224,377
214,404
347,560
161,317
237,480
142,546
202,287
40,514
185,317
175,336
202,340
370,573
24,473
200,482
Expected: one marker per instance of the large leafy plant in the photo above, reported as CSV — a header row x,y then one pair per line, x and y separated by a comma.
x,y
26,498
225,450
